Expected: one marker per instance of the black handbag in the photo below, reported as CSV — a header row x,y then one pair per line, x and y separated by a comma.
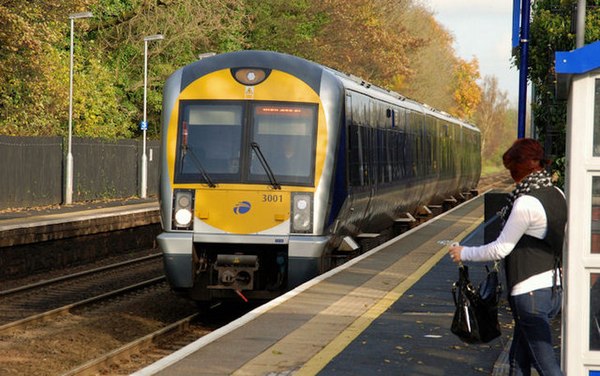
x,y
476,309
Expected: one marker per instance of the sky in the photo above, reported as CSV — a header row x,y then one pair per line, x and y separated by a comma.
x,y
482,29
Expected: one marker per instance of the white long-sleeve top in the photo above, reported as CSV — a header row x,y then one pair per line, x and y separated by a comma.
x,y
527,217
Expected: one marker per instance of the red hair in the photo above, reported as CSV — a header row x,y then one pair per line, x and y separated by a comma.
x,y
525,156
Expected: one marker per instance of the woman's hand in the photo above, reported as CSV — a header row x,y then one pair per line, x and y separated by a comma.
x,y
454,252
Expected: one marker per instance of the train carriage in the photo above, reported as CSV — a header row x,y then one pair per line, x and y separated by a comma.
x,y
272,166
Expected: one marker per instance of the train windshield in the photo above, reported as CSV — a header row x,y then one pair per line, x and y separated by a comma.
x,y
215,138
286,135
209,138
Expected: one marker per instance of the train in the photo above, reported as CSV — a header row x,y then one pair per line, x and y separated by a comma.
x,y
273,168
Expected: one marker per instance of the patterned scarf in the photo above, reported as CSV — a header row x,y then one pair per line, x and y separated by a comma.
x,y
532,182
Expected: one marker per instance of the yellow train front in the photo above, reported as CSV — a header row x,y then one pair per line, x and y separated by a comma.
x,y
255,194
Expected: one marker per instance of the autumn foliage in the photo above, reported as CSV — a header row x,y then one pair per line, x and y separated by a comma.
x,y
396,44
466,94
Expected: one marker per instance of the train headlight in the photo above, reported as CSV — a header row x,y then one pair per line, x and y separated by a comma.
x,y
250,76
183,217
183,209
302,204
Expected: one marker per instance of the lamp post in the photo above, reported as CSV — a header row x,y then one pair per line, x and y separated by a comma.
x,y
69,174
144,125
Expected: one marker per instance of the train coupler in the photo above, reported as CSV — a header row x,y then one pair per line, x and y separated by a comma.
x,y
235,272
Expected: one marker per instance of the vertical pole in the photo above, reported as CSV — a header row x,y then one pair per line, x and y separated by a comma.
x,y
144,182
516,23
69,167
524,43
580,28
69,177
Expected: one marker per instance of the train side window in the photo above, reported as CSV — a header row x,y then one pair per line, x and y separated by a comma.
x,y
360,110
389,155
366,156
380,153
400,158
401,119
354,156
392,155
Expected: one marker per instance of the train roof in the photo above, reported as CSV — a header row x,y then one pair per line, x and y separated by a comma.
x,y
310,72
352,82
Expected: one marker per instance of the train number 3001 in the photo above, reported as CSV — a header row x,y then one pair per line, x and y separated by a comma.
x,y
272,198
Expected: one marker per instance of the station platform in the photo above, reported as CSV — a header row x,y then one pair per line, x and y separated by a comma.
x,y
387,312
34,225
37,240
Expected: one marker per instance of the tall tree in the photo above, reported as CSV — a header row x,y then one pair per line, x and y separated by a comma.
x,y
429,83
491,118
550,32
378,40
552,29
31,68
284,26
363,37
190,27
466,94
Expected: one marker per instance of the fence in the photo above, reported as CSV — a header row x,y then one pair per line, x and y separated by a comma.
x,y
32,170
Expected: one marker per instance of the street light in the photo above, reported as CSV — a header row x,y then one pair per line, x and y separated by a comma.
x,y
144,125
69,177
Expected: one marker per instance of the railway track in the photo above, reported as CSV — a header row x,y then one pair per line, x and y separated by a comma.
x,y
500,180
146,350
43,299
108,321
155,346
61,343
50,327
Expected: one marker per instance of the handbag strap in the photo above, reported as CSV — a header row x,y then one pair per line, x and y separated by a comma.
x,y
463,283
496,267
454,288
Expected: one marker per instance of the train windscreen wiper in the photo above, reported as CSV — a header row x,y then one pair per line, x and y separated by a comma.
x,y
198,164
184,149
265,165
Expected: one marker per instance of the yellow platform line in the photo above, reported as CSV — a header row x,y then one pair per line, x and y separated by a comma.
x,y
324,357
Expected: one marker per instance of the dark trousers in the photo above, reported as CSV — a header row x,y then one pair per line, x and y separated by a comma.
x,y
532,338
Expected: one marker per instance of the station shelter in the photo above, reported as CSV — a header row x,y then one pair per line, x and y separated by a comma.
x,y
578,79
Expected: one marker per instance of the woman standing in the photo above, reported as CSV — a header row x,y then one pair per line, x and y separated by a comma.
x,y
531,244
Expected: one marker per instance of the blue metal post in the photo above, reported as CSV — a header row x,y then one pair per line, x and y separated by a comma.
x,y
524,43
516,24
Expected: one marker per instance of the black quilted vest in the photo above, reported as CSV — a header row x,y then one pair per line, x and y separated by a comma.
x,y
531,255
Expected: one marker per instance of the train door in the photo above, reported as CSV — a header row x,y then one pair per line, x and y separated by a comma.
x,y
434,135
357,165
370,152
416,124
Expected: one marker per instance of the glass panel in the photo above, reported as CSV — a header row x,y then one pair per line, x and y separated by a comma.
x,y
210,139
595,238
595,312
597,119
286,137
354,156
